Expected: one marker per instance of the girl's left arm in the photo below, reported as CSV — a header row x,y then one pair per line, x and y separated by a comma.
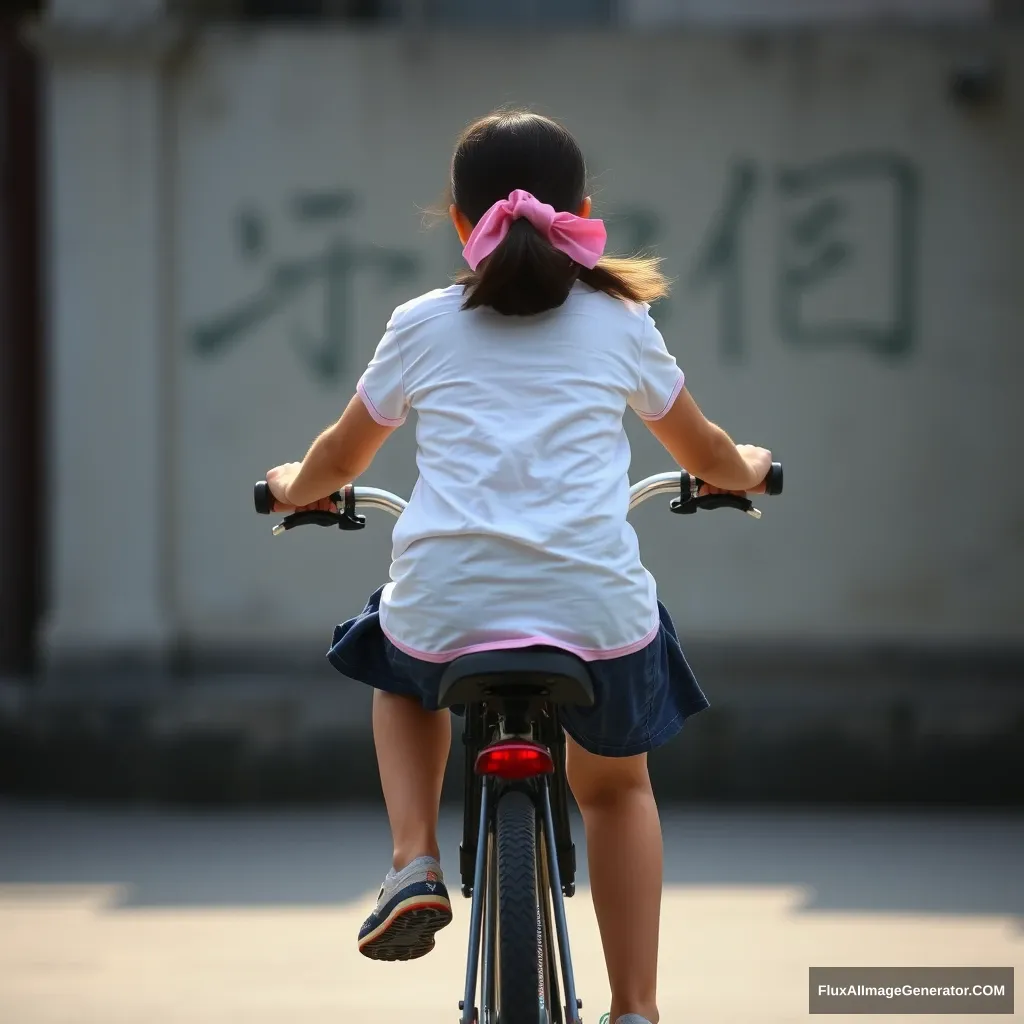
x,y
341,453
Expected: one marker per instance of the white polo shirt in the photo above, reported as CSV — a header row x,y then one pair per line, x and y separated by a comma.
x,y
516,530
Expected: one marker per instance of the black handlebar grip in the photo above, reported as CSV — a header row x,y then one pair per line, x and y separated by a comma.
x,y
262,498
773,481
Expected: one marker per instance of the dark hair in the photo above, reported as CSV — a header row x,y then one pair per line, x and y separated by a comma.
x,y
525,274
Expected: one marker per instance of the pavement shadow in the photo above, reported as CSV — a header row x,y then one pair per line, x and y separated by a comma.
x,y
199,859
903,862
892,862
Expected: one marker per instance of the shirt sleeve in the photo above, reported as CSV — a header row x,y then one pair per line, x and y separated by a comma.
x,y
660,378
381,386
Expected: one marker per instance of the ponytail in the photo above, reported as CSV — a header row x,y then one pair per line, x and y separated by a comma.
x,y
635,278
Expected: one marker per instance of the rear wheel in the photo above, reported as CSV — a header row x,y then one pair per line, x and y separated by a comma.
x,y
519,955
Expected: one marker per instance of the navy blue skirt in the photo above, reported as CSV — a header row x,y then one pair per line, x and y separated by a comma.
x,y
640,700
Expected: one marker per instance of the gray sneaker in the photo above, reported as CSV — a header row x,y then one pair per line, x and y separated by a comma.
x,y
412,905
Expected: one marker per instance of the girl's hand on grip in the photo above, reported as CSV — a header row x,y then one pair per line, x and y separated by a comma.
x,y
759,460
278,480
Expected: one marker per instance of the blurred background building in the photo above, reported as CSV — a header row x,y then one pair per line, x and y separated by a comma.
x,y
209,209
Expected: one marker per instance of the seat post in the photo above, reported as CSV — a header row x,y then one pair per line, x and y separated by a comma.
x,y
516,711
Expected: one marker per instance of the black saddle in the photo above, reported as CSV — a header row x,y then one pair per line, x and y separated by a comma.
x,y
533,673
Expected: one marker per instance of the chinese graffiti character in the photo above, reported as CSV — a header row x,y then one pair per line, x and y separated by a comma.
x,y
848,253
336,269
720,257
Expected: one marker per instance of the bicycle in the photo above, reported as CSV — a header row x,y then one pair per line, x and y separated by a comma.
x,y
515,786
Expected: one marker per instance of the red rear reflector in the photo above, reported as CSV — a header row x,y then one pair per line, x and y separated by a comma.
x,y
514,759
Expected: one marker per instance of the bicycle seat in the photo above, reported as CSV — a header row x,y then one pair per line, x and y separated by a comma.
x,y
544,672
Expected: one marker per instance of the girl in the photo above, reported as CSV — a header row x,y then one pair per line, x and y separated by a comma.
x,y
516,531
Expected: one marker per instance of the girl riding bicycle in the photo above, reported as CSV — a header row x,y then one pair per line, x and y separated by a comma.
x,y
516,533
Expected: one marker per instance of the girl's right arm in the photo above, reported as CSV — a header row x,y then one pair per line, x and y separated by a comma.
x,y
707,451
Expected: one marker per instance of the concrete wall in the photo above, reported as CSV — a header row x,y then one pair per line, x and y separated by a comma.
x,y
232,228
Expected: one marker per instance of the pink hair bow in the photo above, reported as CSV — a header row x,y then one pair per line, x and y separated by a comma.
x,y
580,238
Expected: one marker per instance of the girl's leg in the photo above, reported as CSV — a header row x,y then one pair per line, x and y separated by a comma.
x,y
412,750
625,856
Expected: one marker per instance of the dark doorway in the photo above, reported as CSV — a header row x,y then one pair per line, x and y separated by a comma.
x,y
21,339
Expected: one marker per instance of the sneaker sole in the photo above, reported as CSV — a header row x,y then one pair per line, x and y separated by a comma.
x,y
408,932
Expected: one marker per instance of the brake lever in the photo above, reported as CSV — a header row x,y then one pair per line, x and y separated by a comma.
x,y
689,505
344,520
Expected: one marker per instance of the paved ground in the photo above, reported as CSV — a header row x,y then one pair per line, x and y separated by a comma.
x,y
157,918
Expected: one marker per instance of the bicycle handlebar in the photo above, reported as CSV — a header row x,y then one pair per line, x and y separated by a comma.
x,y
686,487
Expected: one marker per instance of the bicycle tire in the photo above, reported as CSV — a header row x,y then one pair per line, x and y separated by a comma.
x,y
519,954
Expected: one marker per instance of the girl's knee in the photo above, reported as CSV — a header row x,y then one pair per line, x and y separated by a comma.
x,y
597,781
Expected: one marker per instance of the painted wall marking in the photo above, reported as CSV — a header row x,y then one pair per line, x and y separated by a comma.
x,y
846,262
335,268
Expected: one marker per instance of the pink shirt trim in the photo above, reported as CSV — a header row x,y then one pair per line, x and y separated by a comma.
x,y
583,653
669,403
379,417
